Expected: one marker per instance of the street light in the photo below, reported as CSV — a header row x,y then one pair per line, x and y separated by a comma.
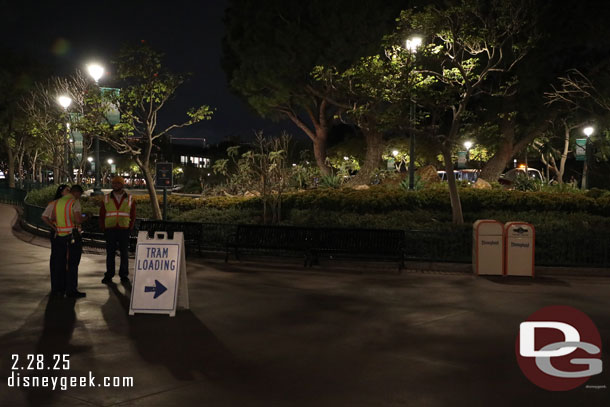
x,y
588,131
412,44
110,161
394,153
90,159
65,102
467,146
96,71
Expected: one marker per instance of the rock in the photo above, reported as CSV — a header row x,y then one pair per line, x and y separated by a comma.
x,y
249,194
482,184
428,175
361,187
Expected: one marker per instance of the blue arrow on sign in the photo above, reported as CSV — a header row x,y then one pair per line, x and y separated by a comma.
x,y
158,289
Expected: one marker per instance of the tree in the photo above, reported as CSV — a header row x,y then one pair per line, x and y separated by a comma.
x,y
376,91
82,118
146,86
272,47
470,46
16,79
46,123
559,42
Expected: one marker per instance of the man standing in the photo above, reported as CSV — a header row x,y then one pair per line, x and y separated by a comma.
x,y
69,244
117,218
58,278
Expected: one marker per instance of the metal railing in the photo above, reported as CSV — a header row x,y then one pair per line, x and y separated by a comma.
x,y
586,247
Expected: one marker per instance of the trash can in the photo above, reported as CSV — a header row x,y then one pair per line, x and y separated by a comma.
x,y
520,238
488,247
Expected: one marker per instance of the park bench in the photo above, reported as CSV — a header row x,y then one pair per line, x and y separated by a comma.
x,y
271,239
373,244
312,243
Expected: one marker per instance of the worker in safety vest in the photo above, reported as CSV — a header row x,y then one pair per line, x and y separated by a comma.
x,y
68,218
58,279
117,218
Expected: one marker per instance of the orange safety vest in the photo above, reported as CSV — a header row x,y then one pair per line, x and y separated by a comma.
x,y
117,217
64,217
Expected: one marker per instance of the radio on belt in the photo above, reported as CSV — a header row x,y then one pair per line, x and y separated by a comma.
x,y
159,279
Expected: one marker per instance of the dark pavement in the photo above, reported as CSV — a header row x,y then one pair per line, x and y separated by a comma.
x,y
278,335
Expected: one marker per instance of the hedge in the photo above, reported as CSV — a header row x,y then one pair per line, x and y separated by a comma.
x,y
381,200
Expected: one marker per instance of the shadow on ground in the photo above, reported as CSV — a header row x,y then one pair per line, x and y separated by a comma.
x,y
182,344
36,361
518,280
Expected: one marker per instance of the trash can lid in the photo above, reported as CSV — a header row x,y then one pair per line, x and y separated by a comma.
x,y
486,227
519,229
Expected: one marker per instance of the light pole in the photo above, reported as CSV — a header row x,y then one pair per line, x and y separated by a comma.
x,y
65,102
468,146
588,131
96,71
90,159
412,44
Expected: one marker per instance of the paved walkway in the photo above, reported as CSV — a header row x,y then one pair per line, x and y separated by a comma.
x,y
276,335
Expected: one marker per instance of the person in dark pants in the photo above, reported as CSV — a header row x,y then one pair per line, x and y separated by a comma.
x,y
58,279
117,218
69,245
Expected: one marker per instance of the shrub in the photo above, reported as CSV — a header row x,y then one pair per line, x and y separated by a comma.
x,y
216,215
330,181
525,183
41,197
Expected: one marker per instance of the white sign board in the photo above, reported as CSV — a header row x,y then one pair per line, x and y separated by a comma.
x,y
159,279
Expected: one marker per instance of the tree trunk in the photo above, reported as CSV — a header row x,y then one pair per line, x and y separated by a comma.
x,y
318,135
319,151
496,164
583,180
456,205
372,158
509,147
564,155
150,186
11,164
20,168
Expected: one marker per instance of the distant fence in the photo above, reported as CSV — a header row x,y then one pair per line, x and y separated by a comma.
x,y
585,247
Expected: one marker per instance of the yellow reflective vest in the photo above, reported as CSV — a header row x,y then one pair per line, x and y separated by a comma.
x,y
117,217
64,216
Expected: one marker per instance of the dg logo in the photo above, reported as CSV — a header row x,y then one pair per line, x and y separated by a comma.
x,y
559,348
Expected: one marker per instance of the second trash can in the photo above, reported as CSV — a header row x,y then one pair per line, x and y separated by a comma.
x,y
520,243
488,247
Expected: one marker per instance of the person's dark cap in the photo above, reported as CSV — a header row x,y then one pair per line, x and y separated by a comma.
x,y
76,188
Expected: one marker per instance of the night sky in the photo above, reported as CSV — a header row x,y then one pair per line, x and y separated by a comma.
x,y
65,35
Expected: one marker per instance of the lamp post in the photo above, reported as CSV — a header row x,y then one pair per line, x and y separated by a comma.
x,y
588,131
412,44
468,146
96,71
65,102
90,159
